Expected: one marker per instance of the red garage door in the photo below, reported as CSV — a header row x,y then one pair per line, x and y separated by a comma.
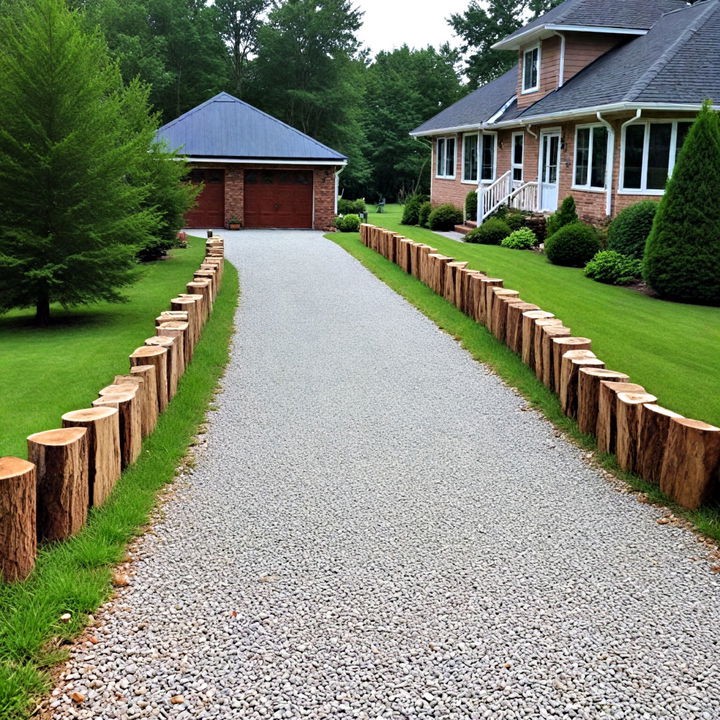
x,y
209,210
278,198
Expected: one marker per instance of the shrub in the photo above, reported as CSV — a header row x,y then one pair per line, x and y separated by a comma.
x,y
445,217
471,205
629,231
411,211
492,232
515,220
347,223
682,255
522,239
613,268
572,245
424,213
566,215
350,207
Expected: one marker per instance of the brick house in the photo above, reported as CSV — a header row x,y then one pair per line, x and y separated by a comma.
x,y
597,107
254,168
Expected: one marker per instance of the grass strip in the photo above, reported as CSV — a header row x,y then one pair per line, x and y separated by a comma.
x,y
74,576
486,348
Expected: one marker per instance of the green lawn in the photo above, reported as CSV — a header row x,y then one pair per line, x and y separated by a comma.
x,y
670,348
45,372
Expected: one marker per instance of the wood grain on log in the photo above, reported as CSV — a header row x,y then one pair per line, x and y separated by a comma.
x,y
627,420
476,291
158,357
652,440
129,407
528,334
501,306
452,280
513,329
492,306
171,316
63,487
18,538
561,345
146,396
538,336
211,276
589,393
173,344
180,331
199,301
571,363
606,428
486,283
547,334
188,306
202,288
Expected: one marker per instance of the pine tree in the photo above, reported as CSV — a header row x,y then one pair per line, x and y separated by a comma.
x,y
682,254
71,215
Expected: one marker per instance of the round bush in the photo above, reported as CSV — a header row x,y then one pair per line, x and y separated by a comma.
x,y
445,217
572,245
348,223
565,215
411,210
629,231
613,268
348,207
522,239
515,220
492,232
424,214
471,205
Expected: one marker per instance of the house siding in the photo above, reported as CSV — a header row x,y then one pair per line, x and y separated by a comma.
x,y
549,72
581,49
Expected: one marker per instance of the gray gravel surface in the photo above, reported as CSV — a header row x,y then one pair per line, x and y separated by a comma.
x,y
377,528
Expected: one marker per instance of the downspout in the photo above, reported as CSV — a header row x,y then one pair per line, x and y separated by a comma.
x,y
638,115
537,194
561,73
609,163
337,185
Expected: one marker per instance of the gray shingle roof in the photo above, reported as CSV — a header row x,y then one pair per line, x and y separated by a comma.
x,y
225,127
477,107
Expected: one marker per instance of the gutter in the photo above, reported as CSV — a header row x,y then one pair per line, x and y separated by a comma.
x,y
261,161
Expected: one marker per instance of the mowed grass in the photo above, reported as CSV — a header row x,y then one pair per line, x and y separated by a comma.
x,y
672,349
45,372
74,577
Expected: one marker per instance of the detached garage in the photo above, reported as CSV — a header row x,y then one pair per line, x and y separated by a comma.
x,y
254,168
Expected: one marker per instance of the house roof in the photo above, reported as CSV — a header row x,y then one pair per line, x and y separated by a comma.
x,y
225,127
603,15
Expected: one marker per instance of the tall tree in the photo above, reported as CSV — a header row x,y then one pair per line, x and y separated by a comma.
x,y
482,25
71,216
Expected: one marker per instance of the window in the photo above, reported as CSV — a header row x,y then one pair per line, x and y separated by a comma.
x,y
591,146
518,152
470,158
445,157
487,156
531,69
650,150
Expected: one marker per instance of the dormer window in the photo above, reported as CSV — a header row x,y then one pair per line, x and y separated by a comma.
x,y
531,70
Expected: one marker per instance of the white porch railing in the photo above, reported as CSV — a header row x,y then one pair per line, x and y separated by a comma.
x,y
524,197
506,191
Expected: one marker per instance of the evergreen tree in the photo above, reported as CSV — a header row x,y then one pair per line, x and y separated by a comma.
x,y
70,218
682,254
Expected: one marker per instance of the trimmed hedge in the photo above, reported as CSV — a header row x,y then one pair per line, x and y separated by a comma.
x,y
347,223
629,231
411,210
350,207
424,214
492,232
471,205
523,239
445,217
565,215
572,245
613,268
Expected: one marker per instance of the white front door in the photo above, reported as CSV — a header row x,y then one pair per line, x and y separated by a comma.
x,y
549,169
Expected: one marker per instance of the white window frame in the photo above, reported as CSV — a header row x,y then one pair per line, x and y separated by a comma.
x,y
587,187
536,87
513,165
445,138
465,180
486,181
643,189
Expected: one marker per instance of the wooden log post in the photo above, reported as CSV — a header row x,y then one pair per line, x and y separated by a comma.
x,y
143,398
404,246
202,288
18,534
606,427
217,263
103,437
486,283
497,318
174,361
528,334
180,331
547,334
469,278
492,292
589,380
158,357
627,419
199,301
561,345
438,263
652,440
476,292
570,365
188,306
538,337
211,275
690,472
171,316
63,489
424,251
150,416
513,329
503,318
129,407
452,280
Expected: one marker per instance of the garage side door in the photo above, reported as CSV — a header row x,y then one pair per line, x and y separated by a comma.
x,y
209,210
278,198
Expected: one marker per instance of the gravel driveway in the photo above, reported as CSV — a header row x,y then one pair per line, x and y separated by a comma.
x,y
376,528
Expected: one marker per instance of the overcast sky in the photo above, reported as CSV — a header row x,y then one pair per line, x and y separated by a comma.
x,y
418,23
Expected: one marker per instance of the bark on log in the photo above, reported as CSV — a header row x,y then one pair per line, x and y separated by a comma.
x,y
63,490
150,402
486,284
500,305
188,306
606,428
569,378
211,276
424,252
103,436
178,330
452,281
174,361
691,467
561,345
202,288
652,440
437,272
404,254
466,290
156,356
547,334
589,393
18,539
627,419
513,329
129,407
528,334
199,301
538,336
476,291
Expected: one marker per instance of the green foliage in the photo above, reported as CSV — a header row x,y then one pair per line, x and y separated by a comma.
x,y
572,245
445,217
682,255
523,239
515,220
629,231
471,205
565,215
75,185
424,214
347,223
492,232
613,268
345,207
411,211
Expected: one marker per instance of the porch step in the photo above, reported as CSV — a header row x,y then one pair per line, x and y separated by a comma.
x,y
466,228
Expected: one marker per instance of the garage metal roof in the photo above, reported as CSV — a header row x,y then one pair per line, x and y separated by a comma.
x,y
225,127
